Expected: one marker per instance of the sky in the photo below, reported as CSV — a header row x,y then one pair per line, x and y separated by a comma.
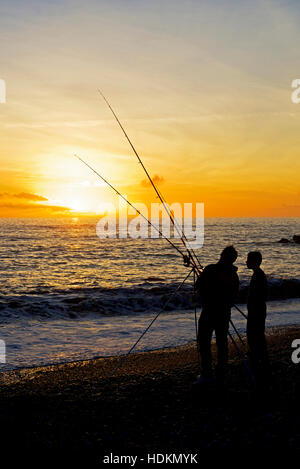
x,y
203,89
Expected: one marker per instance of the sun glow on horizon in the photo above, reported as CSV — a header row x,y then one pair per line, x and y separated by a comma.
x,y
66,182
230,143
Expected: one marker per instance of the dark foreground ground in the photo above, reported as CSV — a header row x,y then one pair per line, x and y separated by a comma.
x,y
149,406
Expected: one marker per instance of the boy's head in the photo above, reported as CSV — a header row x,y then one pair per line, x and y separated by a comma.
x,y
229,255
254,259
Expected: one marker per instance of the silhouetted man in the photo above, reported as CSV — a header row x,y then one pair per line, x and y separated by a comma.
x,y
257,312
217,286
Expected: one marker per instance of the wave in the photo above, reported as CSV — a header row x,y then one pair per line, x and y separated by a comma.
x,y
80,302
278,289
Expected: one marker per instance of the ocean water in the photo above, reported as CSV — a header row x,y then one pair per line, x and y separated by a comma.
x,y
65,294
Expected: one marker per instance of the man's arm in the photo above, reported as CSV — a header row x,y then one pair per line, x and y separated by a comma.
x,y
200,283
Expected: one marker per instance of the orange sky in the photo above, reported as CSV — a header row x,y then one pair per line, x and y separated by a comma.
x,y
203,90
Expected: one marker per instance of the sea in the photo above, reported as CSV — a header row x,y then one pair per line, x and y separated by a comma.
x,y
66,294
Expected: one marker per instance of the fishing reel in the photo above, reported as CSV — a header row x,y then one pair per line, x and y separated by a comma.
x,y
187,260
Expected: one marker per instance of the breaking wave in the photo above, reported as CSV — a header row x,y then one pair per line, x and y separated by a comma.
x,y
81,302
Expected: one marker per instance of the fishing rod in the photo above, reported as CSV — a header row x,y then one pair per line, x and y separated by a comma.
x,y
240,311
172,244
165,205
237,332
146,219
183,238
191,253
131,205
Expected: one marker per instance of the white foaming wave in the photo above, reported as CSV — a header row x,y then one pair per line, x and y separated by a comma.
x,y
132,300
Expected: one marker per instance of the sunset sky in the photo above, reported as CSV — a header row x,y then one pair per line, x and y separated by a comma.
x,y
203,89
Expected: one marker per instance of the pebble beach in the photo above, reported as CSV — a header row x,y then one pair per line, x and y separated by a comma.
x,y
150,404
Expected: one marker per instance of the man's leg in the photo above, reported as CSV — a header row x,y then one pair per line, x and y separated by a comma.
x,y
253,345
262,353
205,330
264,348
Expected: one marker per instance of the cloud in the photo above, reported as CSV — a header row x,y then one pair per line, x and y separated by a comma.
x,y
156,179
24,195
32,197
38,207
54,124
27,204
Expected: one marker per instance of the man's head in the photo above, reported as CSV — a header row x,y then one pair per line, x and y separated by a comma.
x,y
254,259
229,255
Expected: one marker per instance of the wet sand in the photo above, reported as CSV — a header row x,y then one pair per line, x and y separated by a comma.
x,y
150,405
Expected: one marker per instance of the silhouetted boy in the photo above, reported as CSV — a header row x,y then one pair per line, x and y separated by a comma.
x,y
257,311
217,286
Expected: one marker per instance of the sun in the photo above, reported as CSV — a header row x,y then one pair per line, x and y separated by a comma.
x,y
69,184
82,203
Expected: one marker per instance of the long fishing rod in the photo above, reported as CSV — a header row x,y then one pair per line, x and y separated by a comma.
x,y
240,311
172,244
161,198
131,205
190,251
237,332
165,205
183,238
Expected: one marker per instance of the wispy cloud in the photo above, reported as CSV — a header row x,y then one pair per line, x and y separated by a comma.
x,y
23,195
197,118
55,124
35,207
